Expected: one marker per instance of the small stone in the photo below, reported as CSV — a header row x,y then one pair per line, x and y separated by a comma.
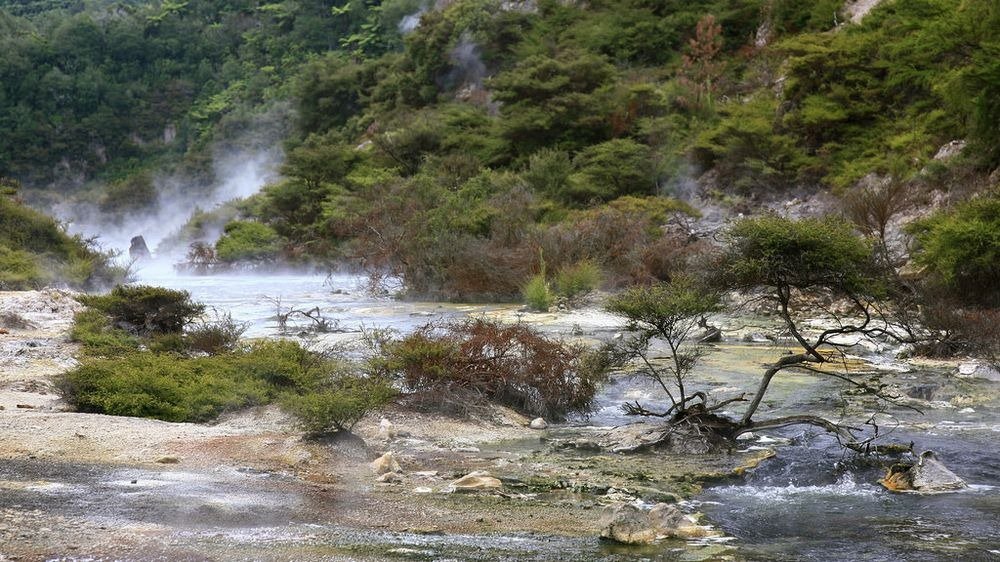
x,y
25,406
538,423
168,459
385,463
478,480
422,490
628,524
390,478
965,369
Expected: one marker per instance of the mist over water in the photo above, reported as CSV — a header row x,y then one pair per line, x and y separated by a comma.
x,y
238,175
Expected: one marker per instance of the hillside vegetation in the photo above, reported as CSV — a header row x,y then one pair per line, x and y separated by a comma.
x,y
466,147
36,251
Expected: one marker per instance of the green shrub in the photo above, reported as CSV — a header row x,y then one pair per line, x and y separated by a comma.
x,y
802,254
961,247
339,404
610,170
143,309
35,250
99,337
164,387
18,269
548,172
578,279
282,363
129,195
245,240
172,387
537,294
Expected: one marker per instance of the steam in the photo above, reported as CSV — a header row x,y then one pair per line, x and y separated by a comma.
x,y
411,21
469,69
238,175
468,72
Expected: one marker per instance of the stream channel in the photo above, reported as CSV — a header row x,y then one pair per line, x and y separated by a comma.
x,y
809,502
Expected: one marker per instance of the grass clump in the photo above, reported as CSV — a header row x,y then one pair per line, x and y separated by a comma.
x,y
537,293
578,279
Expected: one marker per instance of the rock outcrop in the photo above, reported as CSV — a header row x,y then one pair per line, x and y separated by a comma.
x,y
138,250
928,476
631,524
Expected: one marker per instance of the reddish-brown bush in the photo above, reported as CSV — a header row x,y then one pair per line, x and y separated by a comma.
x,y
455,367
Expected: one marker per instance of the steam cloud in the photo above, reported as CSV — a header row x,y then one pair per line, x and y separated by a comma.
x,y
411,21
238,175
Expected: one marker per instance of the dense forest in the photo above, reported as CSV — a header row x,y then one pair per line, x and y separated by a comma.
x,y
465,147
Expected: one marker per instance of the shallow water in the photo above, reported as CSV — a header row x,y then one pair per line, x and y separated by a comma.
x,y
811,502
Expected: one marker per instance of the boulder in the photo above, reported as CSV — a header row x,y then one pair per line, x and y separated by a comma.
x,y
477,480
137,249
538,423
928,475
631,524
385,463
712,334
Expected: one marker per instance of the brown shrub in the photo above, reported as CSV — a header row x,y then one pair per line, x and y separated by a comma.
x,y
961,331
628,242
457,366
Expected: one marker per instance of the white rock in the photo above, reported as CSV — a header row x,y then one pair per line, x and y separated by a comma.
x,y
386,430
538,423
385,463
422,490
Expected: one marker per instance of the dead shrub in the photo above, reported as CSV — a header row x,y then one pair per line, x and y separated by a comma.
x,y
215,336
961,331
630,246
456,367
